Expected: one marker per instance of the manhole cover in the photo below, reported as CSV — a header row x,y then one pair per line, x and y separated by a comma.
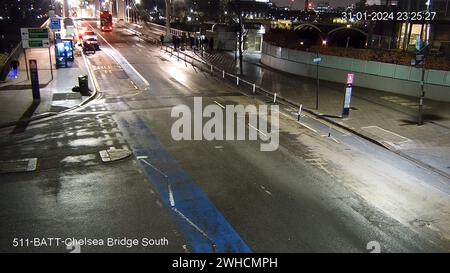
x,y
20,165
113,154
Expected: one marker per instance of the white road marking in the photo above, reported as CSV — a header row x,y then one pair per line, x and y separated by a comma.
x,y
308,127
125,60
253,127
223,107
335,140
171,199
195,226
142,158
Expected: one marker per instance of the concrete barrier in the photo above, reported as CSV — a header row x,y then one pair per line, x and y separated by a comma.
x,y
392,78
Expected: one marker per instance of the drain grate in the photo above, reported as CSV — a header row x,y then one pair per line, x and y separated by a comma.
x,y
20,165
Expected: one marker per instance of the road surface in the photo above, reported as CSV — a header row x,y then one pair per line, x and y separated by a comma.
x,y
315,193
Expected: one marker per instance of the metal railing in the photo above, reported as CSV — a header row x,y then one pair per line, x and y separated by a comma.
x,y
383,42
246,86
173,31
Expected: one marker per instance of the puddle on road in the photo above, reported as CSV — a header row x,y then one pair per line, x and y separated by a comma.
x,y
91,142
78,158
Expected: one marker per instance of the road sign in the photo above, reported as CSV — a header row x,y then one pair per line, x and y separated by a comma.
x,y
350,78
34,33
35,37
55,24
348,95
36,43
317,60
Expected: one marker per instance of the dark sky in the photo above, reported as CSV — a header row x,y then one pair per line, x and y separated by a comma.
x,y
301,3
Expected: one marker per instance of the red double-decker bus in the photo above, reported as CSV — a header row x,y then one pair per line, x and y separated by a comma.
x,y
106,23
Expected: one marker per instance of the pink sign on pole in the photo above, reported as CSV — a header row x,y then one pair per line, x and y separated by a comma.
x,y
350,78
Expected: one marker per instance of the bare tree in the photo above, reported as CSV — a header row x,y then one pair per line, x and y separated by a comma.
x,y
235,8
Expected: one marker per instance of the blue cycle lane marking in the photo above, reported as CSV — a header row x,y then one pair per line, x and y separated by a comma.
x,y
203,226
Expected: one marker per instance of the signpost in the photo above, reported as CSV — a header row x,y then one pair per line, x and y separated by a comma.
x,y
55,24
348,95
36,38
35,43
34,80
317,61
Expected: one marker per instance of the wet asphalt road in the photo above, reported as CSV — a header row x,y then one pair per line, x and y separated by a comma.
x,y
296,199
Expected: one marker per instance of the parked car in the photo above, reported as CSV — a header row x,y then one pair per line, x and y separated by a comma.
x,y
90,38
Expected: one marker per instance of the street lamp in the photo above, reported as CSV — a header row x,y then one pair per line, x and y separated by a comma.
x,y
168,7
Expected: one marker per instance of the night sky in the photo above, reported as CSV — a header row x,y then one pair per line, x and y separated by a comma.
x,y
301,3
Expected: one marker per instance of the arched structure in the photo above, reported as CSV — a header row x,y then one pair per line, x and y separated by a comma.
x,y
299,27
347,28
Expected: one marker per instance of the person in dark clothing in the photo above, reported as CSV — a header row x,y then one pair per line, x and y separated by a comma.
x,y
178,42
174,41
191,41
183,41
196,44
205,43
211,44
161,39
15,66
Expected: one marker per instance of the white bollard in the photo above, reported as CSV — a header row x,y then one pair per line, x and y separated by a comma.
x,y
274,97
300,111
254,89
223,74
237,80
329,131
212,68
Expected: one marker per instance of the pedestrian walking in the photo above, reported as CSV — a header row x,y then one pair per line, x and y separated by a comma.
x,y
191,41
174,41
196,43
161,39
178,42
211,44
205,43
183,41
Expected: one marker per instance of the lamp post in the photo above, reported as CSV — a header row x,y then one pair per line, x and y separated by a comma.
x,y
168,9
423,52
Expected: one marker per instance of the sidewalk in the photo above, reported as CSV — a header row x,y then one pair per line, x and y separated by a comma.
x,y
56,95
387,118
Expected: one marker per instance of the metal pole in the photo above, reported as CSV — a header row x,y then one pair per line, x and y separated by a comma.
x,y
51,64
26,63
317,83
422,95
